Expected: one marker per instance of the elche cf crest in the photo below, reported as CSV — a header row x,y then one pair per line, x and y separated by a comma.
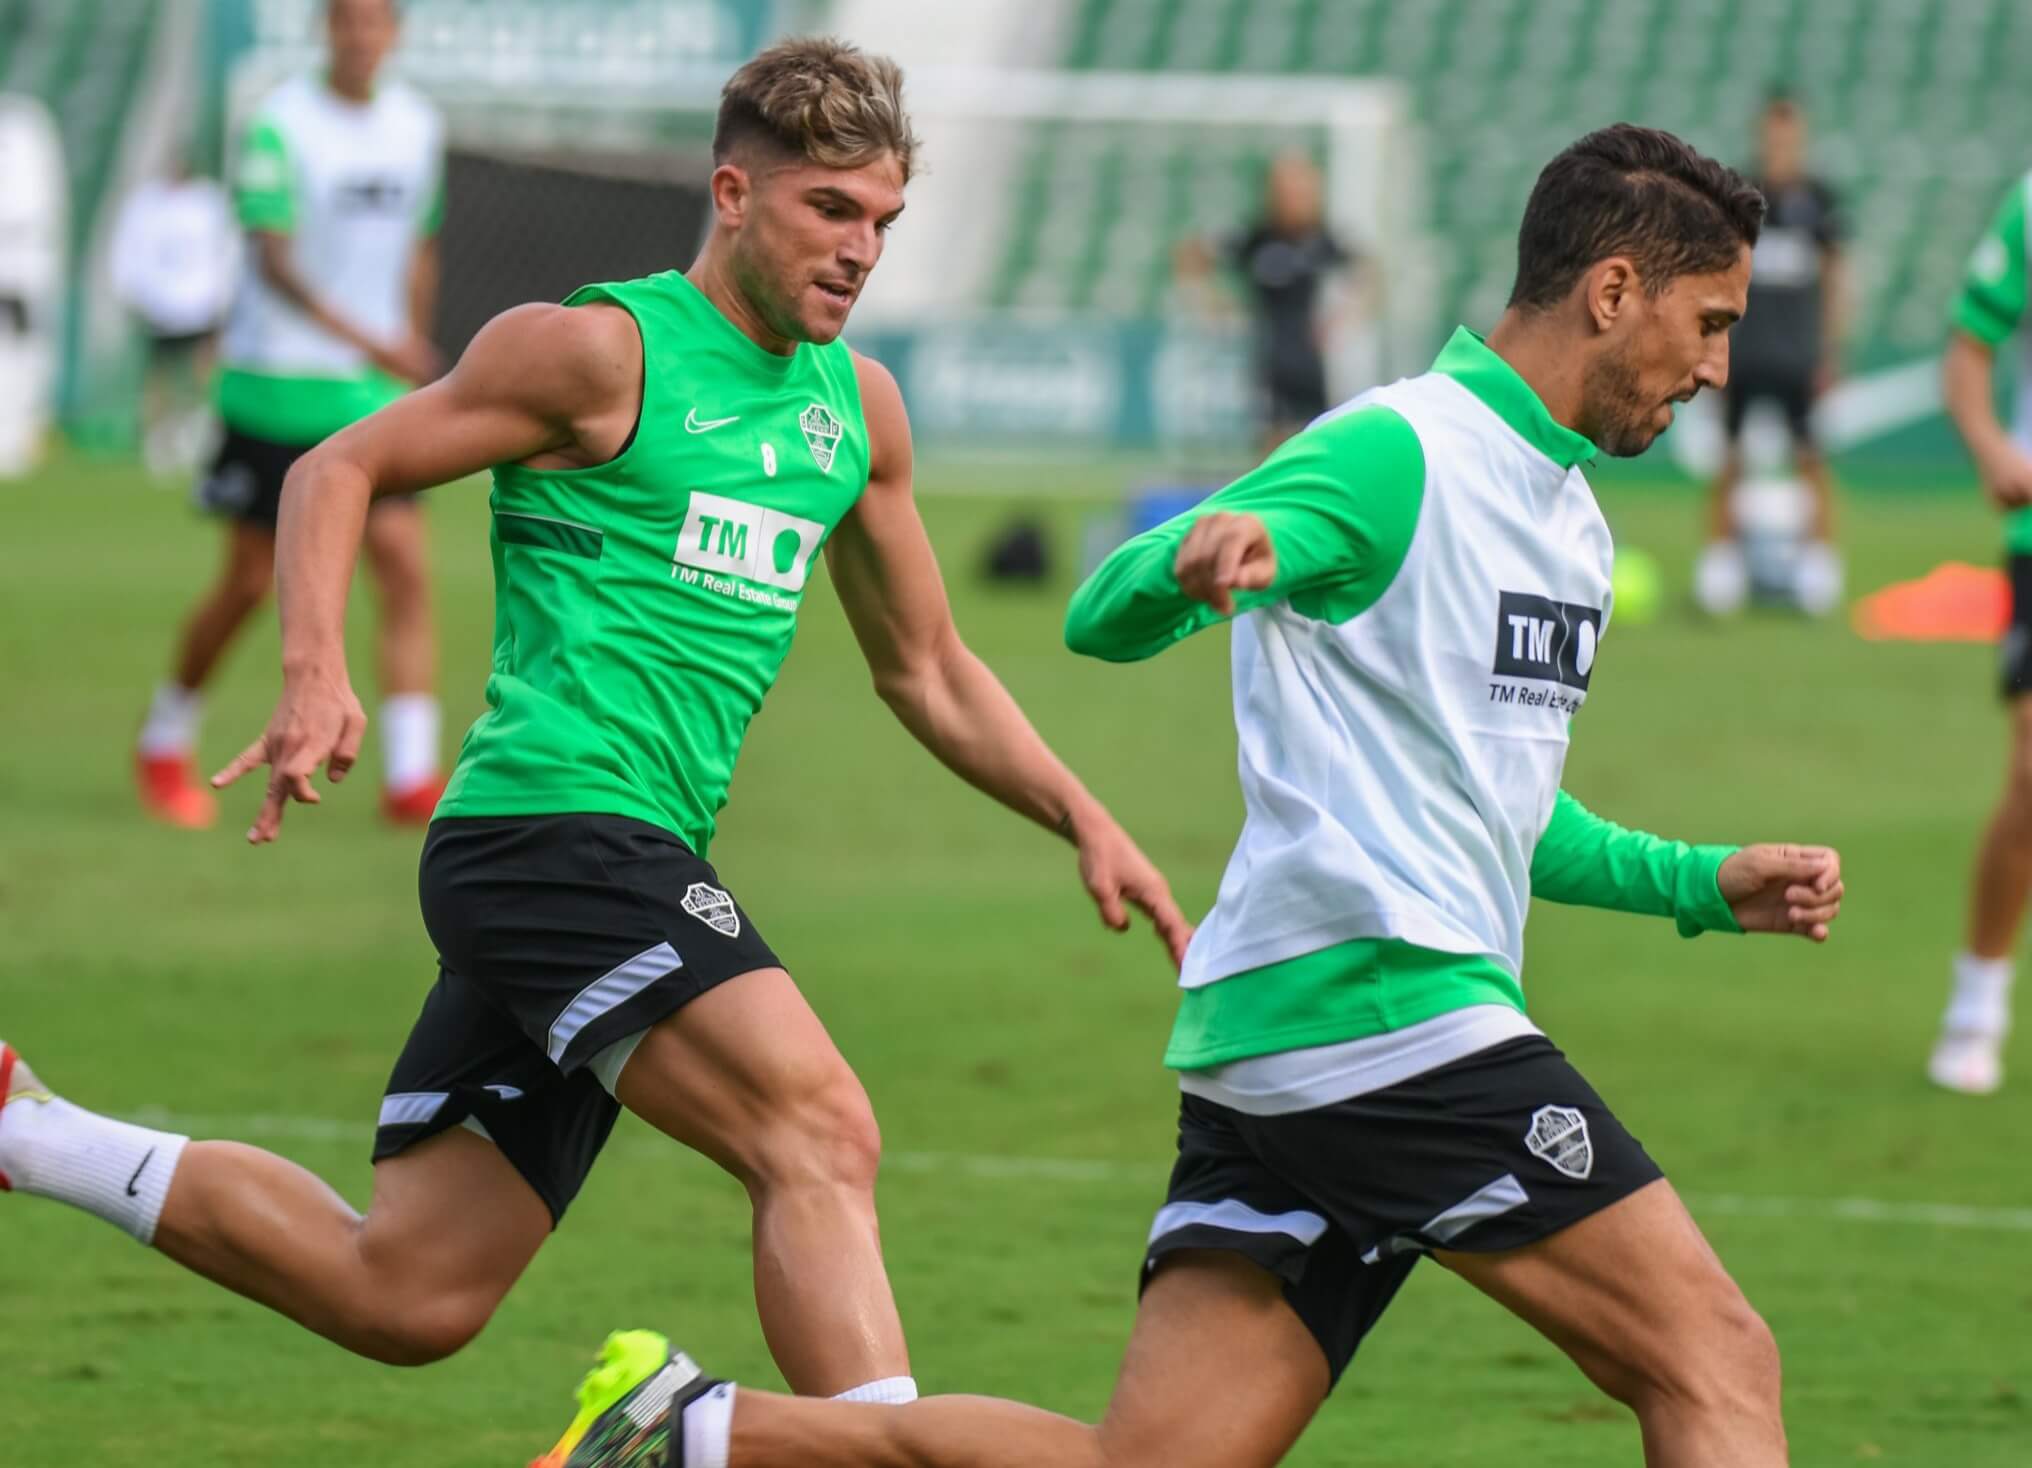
x,y
714,908
822,431
1559,1137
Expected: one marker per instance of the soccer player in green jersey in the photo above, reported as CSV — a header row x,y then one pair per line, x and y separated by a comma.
x,y
1969,1055
670,457
339,188
1418,586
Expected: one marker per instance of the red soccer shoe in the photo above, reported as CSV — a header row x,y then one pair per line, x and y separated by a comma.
x,y
414,806
171,791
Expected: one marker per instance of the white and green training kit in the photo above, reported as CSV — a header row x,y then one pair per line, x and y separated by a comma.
x,y
1403,695
1990,308
356,186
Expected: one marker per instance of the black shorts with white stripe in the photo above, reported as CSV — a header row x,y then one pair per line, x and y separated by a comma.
x,y
244,481
1497,1150
557,937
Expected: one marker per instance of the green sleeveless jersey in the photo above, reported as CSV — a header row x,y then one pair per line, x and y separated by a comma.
x,y
643,606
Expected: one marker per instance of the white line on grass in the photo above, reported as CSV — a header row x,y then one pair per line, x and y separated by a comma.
x,y
1101,1170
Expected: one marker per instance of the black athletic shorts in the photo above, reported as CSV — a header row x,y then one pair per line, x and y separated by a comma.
x,y
1293,389
1494,1151
244,482
556,937
1791,388
2014,670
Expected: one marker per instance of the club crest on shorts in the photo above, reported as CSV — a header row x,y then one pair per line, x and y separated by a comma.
x,y
1559,1136
822,431
714,908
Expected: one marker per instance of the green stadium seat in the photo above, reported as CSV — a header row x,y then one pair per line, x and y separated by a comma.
x,y
1920,110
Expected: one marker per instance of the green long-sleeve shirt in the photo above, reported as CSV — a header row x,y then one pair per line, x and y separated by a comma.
x,y
1342,503
1374,985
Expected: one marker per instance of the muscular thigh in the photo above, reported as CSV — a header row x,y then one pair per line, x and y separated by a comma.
x,y
739,1060
1220,1371
454,1213
1630,1289
559,939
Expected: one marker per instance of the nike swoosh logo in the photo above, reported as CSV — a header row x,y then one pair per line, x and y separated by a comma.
x,y
693,425
131,1192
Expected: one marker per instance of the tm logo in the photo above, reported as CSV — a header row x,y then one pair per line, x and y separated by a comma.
x,y
1537,637
736,538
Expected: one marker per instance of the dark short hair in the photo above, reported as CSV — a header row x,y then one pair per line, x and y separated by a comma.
x,y
1635,191
822,100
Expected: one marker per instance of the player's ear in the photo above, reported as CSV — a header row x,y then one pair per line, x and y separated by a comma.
x,y
732,190
1610,284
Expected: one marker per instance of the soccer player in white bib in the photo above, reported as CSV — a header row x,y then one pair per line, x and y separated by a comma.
x,y
1420,588
339,187
1988,311
176,257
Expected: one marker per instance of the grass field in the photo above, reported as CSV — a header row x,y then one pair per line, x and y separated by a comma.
x,y
1010,1044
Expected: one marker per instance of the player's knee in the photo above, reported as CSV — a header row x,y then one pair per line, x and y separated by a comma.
x,y
404,586
417,1329
1728,1363
826,1134
1757,1373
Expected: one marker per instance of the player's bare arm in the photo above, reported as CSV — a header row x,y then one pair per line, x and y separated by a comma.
x,y
556,387
889,583
1775,888
2005,468
412,359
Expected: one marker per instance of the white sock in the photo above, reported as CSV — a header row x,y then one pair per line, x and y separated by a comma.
x,y
409,726
1721,578
1982,995
117,1171
172,723
708,1428
1817,578
893,1389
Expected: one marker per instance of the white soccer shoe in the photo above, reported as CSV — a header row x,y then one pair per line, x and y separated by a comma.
x,y
1721,579
1968,1061
1817,579
17,1084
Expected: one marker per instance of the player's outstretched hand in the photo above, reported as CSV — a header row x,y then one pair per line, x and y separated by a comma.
x,y
317,721
1223,554
1783,889
1119,876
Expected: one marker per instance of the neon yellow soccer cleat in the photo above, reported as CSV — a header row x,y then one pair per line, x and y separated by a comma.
x,y
627,1405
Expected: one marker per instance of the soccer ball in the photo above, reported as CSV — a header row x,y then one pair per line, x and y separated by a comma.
x,y
1638,585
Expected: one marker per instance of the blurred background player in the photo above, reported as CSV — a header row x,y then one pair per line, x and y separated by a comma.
x,y
1284,260
1786,352
339,188
1990,308
33,271
176,257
